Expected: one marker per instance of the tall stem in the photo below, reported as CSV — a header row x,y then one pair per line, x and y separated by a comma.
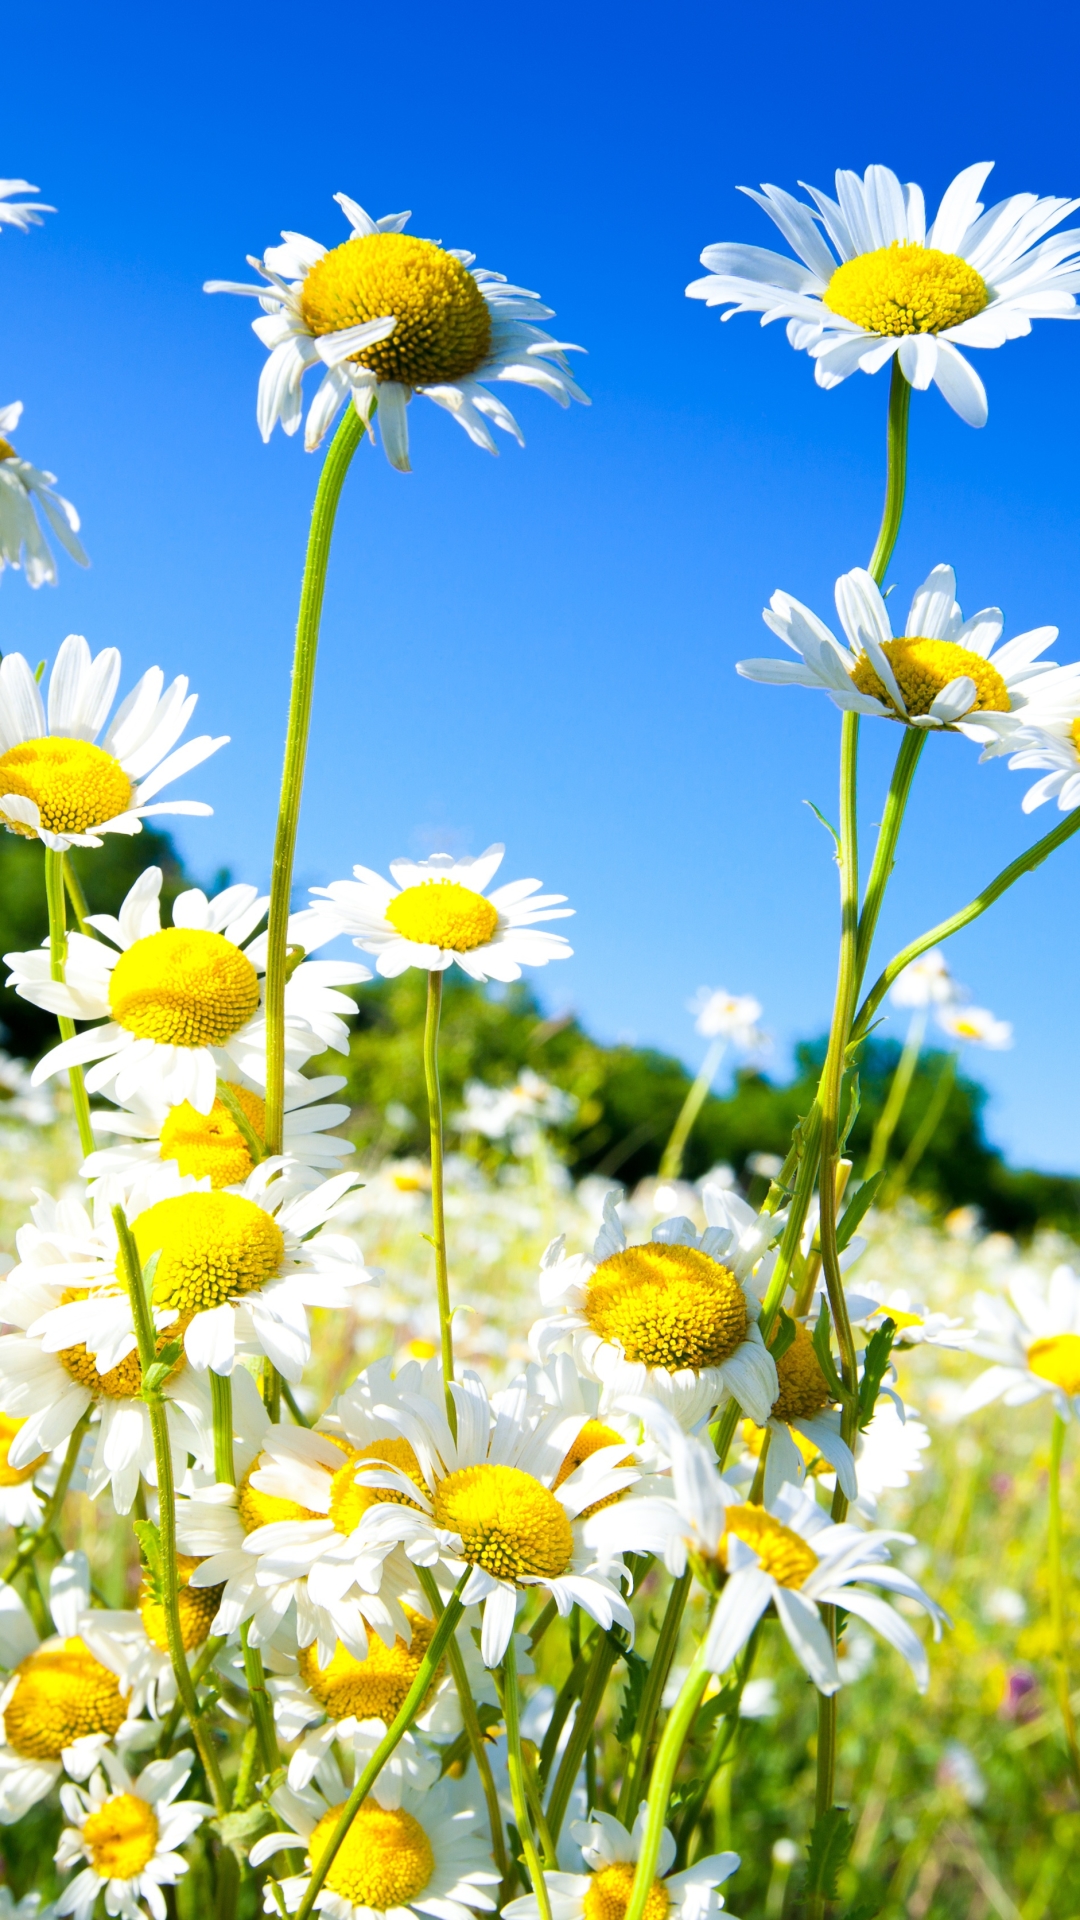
x,y
262,1711
221,1406
27,1548
1056,1572
907,759
57,905
328,493
672,1159
471,1723
438,1211
516,1769
679,1722
656,1681
896,1097
896,472
592,1698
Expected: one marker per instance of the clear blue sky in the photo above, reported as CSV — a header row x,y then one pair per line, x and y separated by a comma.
x,y
540,649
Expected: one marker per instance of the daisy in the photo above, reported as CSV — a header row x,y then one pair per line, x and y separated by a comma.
x,y
134,1642
916,1325
611,1854
24,488
938,675
57,784
977,1025
436,911
210,1146
422,1857
387,315
22,214
1034,1343
127,1831
732,1017
184,1000
675,1318
804,1409
975,279
888,1451
926,982
20,1501
786,1554
1060,754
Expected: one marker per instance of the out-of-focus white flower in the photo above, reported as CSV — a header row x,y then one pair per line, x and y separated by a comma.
x,y
22,489
927,982
22,214
959,1770
733,1017
21,1100
975,1025
1034,1342
515,1113
1005,1607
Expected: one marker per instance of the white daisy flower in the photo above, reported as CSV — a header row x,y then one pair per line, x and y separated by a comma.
x,y
21,214
941,673
134,1642
387,315
888,1451
436,911
23,491
787,1555
975,279
60,1707
611,1854
733,1017
1034,1343
127,1831
422,1857
674,1318
976,1025
926,982
57,783
916,1325
181,1001
1045,747
804,1409
24,1488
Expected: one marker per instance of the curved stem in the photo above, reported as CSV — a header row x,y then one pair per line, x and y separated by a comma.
x,y
1056,1573
28,1547
659,1668
75,894
679,1722
899,1088
516,1769
438,1213
896,434
57,904
244,1128
723,1742
835,1059
896,800
672,1159
328,493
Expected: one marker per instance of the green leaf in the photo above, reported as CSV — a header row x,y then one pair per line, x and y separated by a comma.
x,y
827,824
875,1363
822,1348
857,1206
827,1850
854,1103
784,1335
636,1671
240,1828
155,1377
721,1707
866,1910
150,1546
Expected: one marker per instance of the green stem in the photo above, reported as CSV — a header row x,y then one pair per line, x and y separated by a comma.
x,y
289,1398
516,1770
28,1547
606,1653
720,1750
438,1214
270,1388
892,819
656,1681
75,894
410,1707
672,1158
924,1132
896,472
897,1095
251,1140
328,493
674,1737
564,1700
1056,1572
208,1653
221,1404
262,1710
471,1723
826,1759
835,1059
57,905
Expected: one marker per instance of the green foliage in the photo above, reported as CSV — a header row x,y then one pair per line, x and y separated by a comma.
x,y
636,1672
827,1850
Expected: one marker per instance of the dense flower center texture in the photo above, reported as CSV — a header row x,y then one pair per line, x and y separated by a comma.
x,y
76,786
371,1689
1057,1359
183,987
781,1552
121,1836
668,1306
384,1860
124,1381
350,1498
924,668
440,913
212,1143
509,1523
198,1605
804,1390
14,1476
61,1694
210,1246
443,329
906,288
608,1894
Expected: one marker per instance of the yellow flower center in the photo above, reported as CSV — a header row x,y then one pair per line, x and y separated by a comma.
x,y
371,1689
1074,734
608,1894
442,913
804,1390
753,1438
906,288
443,326
212,1143
1057,1358
924,668
14,1476
509,1523
62,1694
668,1306
198,1605
124,1381
212,1246
384,1861
592,1437
781,1552
350,1498
75,785
7,451
121,1836
183,987
259,1509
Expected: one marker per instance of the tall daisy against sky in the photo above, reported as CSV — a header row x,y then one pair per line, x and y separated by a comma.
x,y
24,490
890,284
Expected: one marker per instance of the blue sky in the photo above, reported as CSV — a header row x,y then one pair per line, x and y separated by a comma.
x,y
540,648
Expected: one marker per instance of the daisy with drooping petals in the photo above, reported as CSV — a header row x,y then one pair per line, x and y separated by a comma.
x,y
210,1146
387,315
57,784
1034,1343
675,1318
436,911
975,279
181,1000
942,673
611,1854
22,214
127,1831
804,1410
23,489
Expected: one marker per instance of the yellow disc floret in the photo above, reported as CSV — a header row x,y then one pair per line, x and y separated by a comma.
x,y
1057,1359
211,1247
7,451
183,987
371,1689
198,1605
592,1437
510,1524
804,1390
781,1552
124,1381
384,1861
121,1836
14,1476
62,1694
668,1306
75,785
906,288
924,668
441,913
443,328
608,1894
351,1495
212,1143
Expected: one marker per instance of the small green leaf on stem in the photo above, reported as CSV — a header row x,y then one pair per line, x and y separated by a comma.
x,y
637,1671
784,1335
827,1851
857,1207
823,1350
854,1103
827,824
149,1538
875,1361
